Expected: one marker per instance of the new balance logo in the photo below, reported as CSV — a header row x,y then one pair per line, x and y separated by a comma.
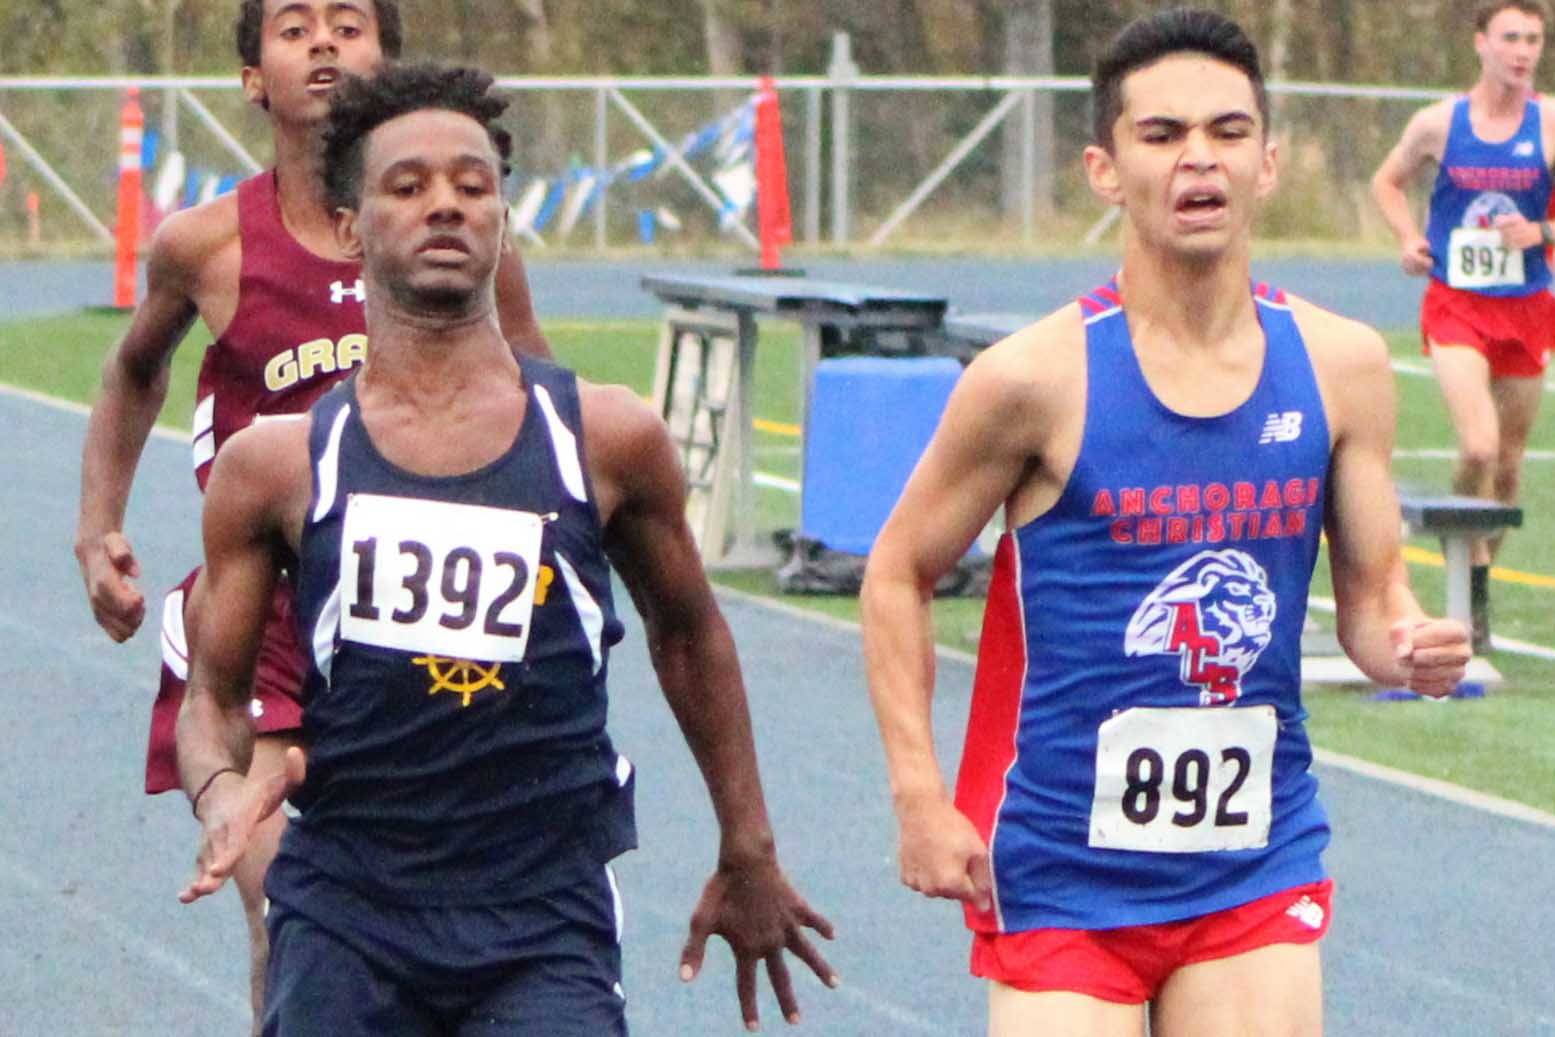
x,y
1281,428
1308,912
338,292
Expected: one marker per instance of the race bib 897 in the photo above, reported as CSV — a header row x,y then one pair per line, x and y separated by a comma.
x,y
455,580
1184,780
1481,259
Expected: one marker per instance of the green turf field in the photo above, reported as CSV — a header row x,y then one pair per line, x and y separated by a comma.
x,y
1503,744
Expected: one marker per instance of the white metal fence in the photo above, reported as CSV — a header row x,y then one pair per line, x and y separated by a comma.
x,y
873,161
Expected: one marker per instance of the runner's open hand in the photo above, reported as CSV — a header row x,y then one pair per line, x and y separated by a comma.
x,y
760,915
229,811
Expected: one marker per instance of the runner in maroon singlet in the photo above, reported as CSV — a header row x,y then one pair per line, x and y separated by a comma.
x,y
262,270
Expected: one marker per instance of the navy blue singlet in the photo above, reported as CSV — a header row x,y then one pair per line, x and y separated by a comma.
x,y
458,630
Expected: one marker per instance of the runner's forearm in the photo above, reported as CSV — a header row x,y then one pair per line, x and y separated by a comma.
x,y
212,735
115,436
899,655
700,675
1394,206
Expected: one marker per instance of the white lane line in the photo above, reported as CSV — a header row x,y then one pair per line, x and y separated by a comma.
x,y
82,910
1442,789
1381,963
1443,454
876,1003
1504,644
775,482
1435,787
72,407
1430,786
1420,369
901,1017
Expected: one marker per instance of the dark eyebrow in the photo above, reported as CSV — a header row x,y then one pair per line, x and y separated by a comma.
x,y
337,7
1167,122
420,165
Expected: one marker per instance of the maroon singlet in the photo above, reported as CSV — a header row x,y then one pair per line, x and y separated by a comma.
x,y
299,328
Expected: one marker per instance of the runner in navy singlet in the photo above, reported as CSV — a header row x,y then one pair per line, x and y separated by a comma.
x,y
449,516
1134,823
260,268
1487,318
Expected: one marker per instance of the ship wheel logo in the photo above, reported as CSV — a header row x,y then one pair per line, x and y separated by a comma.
x,y
460,676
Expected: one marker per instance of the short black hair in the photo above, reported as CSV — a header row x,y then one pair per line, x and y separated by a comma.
x,y
1146,40
1486,11
361,104
248,29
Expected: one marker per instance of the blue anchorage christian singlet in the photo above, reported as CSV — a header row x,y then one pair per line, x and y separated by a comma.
x,y
1136,751
1477,182
458,630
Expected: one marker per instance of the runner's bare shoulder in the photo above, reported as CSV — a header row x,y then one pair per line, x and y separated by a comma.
x,y
1036,373
264,470
1347,356
1425,135
190,242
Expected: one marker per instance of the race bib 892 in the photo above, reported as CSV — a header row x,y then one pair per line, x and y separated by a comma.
x,y
1184,780
454,580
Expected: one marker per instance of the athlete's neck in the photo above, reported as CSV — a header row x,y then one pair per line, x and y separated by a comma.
x,y
427,360
305,212
1196,304
1496,100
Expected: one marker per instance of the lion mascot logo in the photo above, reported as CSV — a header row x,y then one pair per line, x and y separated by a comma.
x,y
1486,207
1216,612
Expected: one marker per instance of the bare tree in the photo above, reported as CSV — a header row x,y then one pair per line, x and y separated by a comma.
x,y
1028,51
539,55
725,50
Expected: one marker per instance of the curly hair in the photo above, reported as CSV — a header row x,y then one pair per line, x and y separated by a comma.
x,y
360,105
249,26
1147,40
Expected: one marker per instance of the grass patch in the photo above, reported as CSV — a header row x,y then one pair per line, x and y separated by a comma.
x,y
1503,744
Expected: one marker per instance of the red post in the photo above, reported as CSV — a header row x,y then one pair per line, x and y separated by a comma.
x,y
774,227
132,124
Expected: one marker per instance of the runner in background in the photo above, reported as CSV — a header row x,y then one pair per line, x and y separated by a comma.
x,y
1487,319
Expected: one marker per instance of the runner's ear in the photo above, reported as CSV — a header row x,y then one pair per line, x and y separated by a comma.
x,y
254,87
1102,172
1269,174
346,235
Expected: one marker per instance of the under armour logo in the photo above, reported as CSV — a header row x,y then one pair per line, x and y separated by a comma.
x,y
338,292
1523,149
1281,428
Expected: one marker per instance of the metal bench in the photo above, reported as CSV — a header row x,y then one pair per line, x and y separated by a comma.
x,y
704,380
967,334
1458,522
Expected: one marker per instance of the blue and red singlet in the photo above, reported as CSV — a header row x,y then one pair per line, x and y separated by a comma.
x,y
1136,751
1477,182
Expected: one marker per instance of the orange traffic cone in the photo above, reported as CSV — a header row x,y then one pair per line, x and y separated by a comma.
x,y
132,124
774,227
